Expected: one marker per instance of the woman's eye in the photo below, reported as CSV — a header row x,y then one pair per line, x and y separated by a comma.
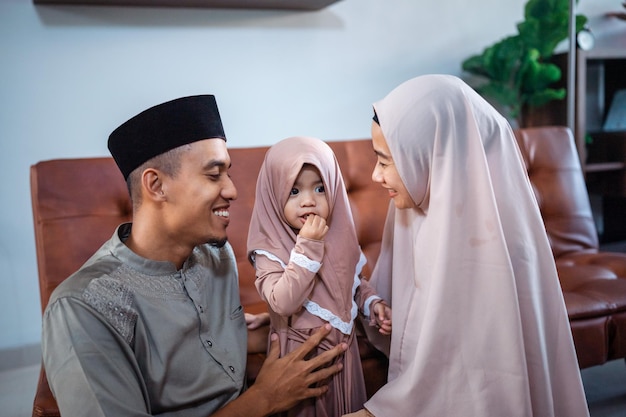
x,y
320,189
382,164
294,191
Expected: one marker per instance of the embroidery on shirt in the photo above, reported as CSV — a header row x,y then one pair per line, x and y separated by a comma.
x,y
114,301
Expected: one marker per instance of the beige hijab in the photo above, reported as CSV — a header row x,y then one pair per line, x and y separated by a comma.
x,y
479,323
270,232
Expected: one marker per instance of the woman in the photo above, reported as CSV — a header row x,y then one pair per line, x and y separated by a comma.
x,y
480,326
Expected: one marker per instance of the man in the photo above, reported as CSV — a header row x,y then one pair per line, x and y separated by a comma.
x,y
152,323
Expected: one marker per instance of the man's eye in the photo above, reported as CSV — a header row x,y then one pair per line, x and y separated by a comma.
x,y
294,191
320,189
382,164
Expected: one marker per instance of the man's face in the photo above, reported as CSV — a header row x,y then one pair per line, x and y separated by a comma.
x,y
199,195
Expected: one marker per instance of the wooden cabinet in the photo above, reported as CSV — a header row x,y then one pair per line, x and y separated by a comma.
x,y
600,75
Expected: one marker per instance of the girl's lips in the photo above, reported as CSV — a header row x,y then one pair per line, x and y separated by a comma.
x,y
305,216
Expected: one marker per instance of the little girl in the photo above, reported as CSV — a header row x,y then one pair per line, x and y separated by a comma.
x,y
302,242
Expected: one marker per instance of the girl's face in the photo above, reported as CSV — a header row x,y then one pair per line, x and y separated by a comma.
x,y
385,172
307,197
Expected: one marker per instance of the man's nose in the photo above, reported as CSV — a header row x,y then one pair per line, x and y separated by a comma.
x,y
229,191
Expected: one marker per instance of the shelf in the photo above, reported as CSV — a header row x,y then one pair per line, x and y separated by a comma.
x,y
223,4
604,166
614,52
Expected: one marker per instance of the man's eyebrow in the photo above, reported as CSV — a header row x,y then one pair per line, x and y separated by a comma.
x,y
216,163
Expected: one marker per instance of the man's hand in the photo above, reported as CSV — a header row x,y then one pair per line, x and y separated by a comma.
x,y
283,382
314,228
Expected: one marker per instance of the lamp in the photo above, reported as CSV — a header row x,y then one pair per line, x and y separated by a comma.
x,y
571,69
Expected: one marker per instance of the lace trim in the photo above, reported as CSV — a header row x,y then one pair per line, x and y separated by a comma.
x,y
297,258
368,303
329,316
305,262
314,308
270,256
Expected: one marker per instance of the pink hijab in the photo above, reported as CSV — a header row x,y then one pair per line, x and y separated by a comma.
x,y
479,322
270,232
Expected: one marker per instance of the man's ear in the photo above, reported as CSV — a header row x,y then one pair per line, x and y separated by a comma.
x,y
152,184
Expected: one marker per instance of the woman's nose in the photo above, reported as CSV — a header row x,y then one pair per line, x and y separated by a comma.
x,y
376,175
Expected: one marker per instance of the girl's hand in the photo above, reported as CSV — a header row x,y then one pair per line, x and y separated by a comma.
x,y
382,317
314,228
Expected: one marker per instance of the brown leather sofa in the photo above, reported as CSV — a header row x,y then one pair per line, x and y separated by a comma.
x,y
77,203
593,281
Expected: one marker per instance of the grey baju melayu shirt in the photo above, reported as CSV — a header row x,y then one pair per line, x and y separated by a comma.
x,y
129,336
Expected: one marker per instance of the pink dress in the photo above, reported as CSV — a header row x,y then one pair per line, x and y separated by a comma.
x,y
305,282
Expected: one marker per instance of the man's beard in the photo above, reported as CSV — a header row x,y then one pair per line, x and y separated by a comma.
x,y
218,243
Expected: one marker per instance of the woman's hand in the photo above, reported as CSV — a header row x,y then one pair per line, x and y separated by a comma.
x,y
381,313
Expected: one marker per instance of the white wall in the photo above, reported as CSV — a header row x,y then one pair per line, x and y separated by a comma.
x,y
69,75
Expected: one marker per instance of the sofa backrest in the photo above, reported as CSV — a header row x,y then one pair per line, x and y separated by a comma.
x,y
77,204
556,175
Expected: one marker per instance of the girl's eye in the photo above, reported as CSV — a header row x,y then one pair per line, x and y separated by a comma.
x,y
294,191
320,189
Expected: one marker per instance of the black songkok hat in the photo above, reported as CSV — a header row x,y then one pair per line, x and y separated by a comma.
x,y
164,127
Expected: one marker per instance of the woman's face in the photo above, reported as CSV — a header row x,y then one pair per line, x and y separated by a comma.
x,y
386,173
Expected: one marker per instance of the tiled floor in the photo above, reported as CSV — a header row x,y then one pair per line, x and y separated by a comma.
x,y
17,390
605,387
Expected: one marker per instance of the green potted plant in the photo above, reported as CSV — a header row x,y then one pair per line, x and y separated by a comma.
x,y
516,71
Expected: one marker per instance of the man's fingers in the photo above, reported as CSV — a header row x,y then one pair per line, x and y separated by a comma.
x,y
274,350
315,391
311,342
327,356
324,373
